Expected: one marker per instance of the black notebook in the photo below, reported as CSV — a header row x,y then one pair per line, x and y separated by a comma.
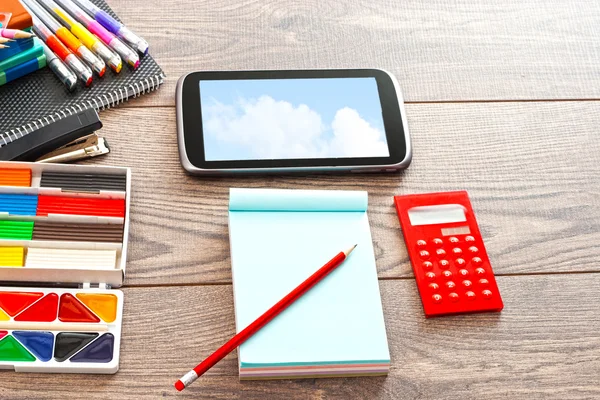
x,y
38,99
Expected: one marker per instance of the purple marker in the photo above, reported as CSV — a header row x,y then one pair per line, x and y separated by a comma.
x,y
114,26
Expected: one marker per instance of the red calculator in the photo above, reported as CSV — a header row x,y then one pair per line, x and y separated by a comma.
x,y
449,260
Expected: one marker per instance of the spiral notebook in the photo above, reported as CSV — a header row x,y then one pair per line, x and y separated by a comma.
x,y
36,100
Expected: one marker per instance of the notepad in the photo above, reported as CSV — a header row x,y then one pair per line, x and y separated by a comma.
x,y
280,237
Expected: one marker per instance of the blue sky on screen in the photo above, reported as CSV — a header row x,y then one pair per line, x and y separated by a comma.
x,y
292,118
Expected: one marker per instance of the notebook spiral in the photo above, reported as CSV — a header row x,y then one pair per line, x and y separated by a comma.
x,y
100,103
38,99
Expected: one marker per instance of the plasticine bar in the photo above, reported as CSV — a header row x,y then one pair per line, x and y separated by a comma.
x,y
81,206
74,232
84,182
18,204
15,177
12,256
17,230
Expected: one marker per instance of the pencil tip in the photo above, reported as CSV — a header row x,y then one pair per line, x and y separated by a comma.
x,y
347,252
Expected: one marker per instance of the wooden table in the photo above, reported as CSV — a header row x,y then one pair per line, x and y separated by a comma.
x,y
503,99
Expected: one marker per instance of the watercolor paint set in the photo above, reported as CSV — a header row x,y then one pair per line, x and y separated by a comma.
x,y
63,249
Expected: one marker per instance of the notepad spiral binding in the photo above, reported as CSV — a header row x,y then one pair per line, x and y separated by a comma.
x,y
101,102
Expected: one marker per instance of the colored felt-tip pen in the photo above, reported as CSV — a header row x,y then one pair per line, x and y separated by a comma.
x,y
90,41
66,76
80,69
14,34
114,26
65,36
127,54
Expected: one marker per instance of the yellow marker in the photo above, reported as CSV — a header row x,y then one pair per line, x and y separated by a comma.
x,y
12,256
104,305
90,41
4,316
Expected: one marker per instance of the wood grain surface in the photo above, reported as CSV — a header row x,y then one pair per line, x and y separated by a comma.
x,y
531,169
504,101
545,344
439,50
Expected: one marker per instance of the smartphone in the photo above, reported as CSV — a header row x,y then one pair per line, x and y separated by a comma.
x,y
335,120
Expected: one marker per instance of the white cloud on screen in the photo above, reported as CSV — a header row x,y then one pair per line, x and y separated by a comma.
x,y
267,128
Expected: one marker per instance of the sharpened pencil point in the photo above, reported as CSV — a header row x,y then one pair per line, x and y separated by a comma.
x,y
347,252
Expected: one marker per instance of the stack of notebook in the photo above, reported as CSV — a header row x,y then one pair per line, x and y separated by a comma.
x,y
278,239
21,56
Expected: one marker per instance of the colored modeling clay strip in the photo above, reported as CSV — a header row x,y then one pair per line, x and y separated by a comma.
x,y
84,182
12,256
17,230
45,230
18,204
15,177
81,206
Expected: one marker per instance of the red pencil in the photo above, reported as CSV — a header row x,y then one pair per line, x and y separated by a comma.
x,y
261,321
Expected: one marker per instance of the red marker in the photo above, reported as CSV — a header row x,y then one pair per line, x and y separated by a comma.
x,y
261,321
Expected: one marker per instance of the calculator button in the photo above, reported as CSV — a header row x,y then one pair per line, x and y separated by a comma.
x,y
486,294
470,296
484,282
427,264
447,274
424,254
457,251
438,242
434,286
444,264
463,272
440,252
473,250
467,283
469,239
436,298
450,285
460,262
430,276
480,271
421,243
453,297
453,239
476,261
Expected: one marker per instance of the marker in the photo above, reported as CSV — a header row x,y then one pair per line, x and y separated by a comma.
x,y
114,26
14,34
127,54
90,41
80,69
66,76
39,15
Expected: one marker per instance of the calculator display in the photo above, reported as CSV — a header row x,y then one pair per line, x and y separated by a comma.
x,y
438,214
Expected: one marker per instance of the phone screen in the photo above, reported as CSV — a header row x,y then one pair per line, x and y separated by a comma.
x,y
274,119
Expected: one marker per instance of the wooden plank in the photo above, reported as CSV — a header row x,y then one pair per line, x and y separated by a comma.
x,y
439,50
545,344
535,193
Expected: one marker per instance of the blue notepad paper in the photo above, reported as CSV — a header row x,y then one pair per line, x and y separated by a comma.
x,y
278,239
